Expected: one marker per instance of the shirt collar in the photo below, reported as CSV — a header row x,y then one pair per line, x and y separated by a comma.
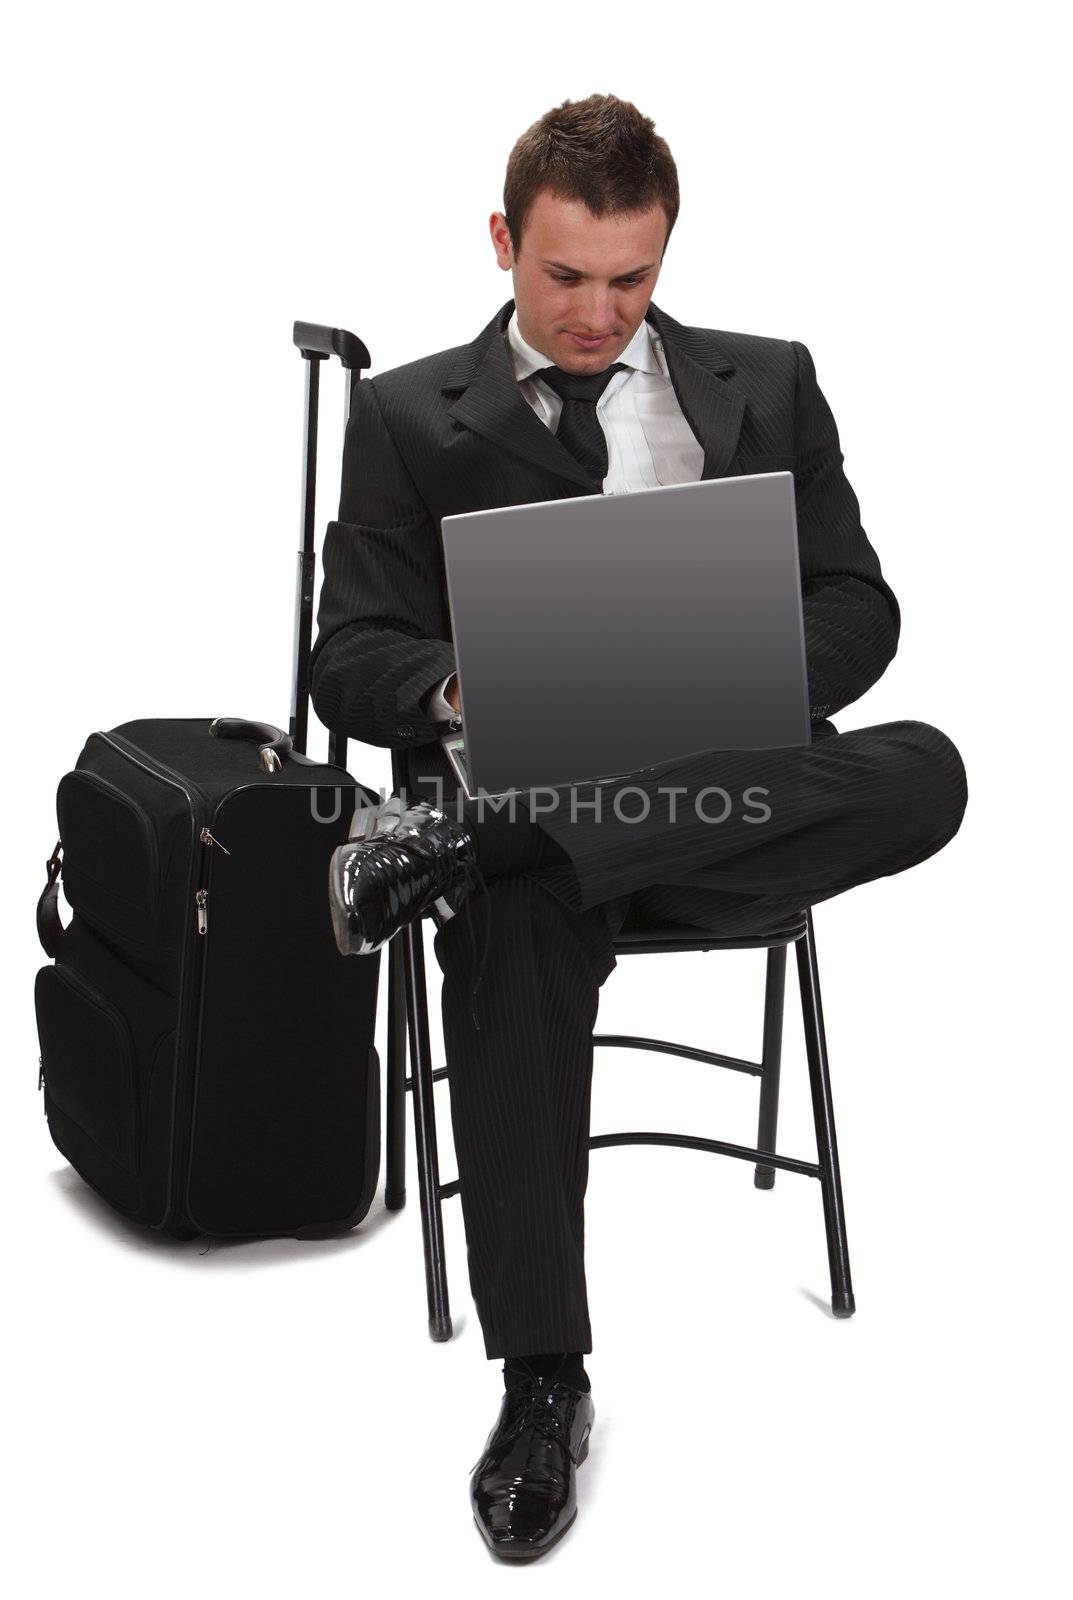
x,y
644,351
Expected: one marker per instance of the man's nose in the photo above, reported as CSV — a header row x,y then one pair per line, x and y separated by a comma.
x,y
597,310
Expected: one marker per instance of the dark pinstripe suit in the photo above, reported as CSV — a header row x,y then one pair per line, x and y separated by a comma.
x,y
451,433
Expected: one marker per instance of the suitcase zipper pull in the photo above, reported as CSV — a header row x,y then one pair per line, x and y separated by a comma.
x,y
206,838
202,898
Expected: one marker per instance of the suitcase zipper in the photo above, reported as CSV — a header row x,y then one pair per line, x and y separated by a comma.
x,y
192,951
202,896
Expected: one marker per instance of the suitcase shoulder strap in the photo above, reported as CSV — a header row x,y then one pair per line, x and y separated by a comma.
x,y
49,927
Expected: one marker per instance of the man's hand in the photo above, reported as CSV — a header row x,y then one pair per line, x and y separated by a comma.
x,y
450,693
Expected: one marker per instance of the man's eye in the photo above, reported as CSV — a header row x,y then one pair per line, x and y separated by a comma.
x,y
561,278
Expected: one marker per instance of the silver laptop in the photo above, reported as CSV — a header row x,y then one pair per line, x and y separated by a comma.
x,y
604,634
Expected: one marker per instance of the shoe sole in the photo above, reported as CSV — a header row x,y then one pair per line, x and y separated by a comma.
x,y
364,822
522,1552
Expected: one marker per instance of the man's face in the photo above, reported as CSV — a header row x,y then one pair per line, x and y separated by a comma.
x,y
582,275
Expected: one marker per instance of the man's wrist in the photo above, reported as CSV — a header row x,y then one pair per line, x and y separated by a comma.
x,y
439,708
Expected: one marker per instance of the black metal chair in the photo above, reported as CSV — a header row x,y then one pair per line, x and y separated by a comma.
x,y
408,1031
408,1024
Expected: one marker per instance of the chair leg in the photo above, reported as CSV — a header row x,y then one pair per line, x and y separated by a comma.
x,y
428,1164
771,1061
842,1303
395,1187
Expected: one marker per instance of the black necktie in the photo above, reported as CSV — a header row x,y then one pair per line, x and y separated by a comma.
x,y
579,426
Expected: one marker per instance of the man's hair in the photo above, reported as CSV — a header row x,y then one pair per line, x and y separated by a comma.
x,y
601,151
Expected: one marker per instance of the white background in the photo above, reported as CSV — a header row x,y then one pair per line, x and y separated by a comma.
x,y
271,1419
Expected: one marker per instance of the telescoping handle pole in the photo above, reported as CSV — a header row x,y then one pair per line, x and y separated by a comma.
x,y
316,344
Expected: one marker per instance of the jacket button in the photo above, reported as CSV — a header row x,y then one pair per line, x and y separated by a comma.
x,y
404,731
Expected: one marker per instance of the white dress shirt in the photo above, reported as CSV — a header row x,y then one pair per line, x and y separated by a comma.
x,y
649,441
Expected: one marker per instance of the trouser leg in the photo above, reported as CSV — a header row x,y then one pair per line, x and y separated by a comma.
x,y
520,1089
792,824
843,811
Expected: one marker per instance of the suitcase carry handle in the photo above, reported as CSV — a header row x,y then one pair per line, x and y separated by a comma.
x,y
273,744
50,929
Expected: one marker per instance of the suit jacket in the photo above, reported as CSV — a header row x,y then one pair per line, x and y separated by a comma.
x,y
451,432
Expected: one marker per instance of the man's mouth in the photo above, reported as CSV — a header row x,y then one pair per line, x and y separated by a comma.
x,y
588,343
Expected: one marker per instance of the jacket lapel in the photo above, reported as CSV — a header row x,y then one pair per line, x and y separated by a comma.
x,y
698,370
491,403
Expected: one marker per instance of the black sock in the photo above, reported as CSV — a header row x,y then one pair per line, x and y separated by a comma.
x,y
568,1366
507,843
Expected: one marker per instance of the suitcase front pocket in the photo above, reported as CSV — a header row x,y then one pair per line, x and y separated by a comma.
x,y
87,1057
111,868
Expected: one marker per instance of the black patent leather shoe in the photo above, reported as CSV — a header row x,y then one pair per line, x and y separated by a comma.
x,y
524,1487
399,861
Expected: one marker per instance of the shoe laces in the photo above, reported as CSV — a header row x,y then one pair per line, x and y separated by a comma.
x,y
534,1406
537,1407
472,876
475,876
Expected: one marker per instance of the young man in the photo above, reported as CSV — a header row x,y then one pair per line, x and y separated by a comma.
x,y
578,385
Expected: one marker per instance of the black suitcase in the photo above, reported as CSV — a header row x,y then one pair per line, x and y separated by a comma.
x,y
207,1055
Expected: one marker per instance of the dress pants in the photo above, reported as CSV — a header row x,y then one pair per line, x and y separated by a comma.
x,y
845,810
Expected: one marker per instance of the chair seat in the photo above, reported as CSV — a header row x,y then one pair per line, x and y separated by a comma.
x,y
645,940
685,936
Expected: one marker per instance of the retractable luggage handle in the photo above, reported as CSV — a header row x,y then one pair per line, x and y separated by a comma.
x,y
316,343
